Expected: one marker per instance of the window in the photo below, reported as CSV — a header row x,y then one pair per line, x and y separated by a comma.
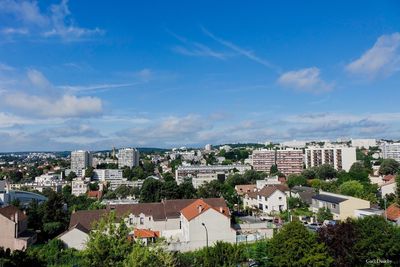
x,y
141,220
280,198
260,206
130,221
333,206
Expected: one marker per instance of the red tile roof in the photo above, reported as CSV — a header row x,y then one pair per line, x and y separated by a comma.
x,y
95,194
199,207
245,188
393,212
145,233
9,212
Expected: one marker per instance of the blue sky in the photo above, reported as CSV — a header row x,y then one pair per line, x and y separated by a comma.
x,y
78,74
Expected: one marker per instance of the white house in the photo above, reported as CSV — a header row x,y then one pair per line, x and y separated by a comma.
x,y
204,225
388,188
269,199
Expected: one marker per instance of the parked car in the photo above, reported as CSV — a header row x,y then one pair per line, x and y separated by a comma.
x,y
313,226
329,222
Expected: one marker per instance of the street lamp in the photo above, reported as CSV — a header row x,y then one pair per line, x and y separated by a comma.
x,y
206,233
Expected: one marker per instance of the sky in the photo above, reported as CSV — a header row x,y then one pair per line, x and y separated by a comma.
x,y
97,74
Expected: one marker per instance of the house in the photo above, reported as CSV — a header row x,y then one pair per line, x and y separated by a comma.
x,y
161,219
341,206
392,213
13,229
203,225
245,188
79,187
146,236
304,193
95,194
269,199
388,188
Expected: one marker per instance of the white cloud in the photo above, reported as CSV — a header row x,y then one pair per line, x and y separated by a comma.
x,y
195,49
382,59
95,87
5,67
307,80
36,96
66,106
29,19
244,52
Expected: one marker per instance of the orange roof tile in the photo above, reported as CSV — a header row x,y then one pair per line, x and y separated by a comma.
x,y
393,212
199,207
145,233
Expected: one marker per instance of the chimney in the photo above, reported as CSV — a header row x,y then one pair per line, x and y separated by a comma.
x,y
200,208
221,210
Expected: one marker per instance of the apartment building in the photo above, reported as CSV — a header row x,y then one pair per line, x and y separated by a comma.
x,y
107,175
80,160
221,171
390,151
341,206
128,157
289,161
340,157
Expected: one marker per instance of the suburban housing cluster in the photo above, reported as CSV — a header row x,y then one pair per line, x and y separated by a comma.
x,y
190,224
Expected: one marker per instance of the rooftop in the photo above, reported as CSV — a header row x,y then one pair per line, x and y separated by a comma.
x,y
328,198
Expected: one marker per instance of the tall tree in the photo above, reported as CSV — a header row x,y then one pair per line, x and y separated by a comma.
x,y
294,245
389,166
108,244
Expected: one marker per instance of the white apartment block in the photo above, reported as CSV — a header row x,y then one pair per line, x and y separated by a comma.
x,y
128,157
192,171
80,160
391,151
203,178
289,161
107,175
340,157
79,187
365,143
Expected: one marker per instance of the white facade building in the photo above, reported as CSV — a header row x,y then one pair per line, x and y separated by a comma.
x,y
391,151
208,147
79,187
80,160
270,199
340,157
128,157
105,175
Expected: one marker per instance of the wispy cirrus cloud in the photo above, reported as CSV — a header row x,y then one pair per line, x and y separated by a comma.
x,y
29,19
382,59
306,80
241,51
196,49
95,87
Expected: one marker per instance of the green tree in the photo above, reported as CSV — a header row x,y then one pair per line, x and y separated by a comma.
x,y
326,172
294,179
352,188
324,214
89,172
71,176
389,166
108,243
359,172
151,190
210,189
309,173
273,170
186,190
376,239
149,256
170,190
294,245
